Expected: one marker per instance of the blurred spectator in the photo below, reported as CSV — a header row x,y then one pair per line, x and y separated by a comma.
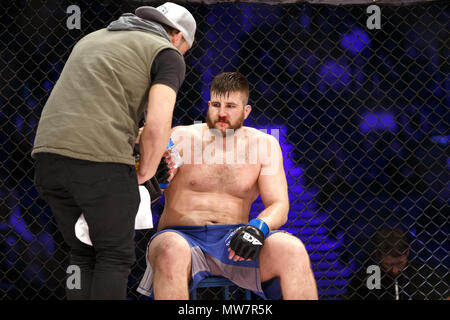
x,y
400,278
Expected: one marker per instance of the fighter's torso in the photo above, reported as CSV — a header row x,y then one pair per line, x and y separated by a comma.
x,y
216,183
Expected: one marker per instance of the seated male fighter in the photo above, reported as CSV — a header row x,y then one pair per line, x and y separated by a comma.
x,y
204,228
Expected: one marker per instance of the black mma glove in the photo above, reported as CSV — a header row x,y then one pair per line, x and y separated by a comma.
x,y
162,174
248,241
158,182
153,184
153,188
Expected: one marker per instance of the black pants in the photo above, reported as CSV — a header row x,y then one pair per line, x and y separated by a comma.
x,y
108,196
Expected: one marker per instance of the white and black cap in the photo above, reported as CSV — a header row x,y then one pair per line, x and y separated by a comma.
x,y
174,16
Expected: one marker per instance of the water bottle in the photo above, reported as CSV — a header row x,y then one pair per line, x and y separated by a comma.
x,y
176,159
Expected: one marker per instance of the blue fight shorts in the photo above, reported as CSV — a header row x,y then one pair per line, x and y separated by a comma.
x,y
209,250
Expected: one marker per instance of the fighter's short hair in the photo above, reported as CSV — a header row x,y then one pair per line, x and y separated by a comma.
x,y
227,82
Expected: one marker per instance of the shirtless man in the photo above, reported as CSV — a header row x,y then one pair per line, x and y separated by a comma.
x,y
204,228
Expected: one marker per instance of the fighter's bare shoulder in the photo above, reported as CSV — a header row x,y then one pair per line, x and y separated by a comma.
x,y
188,129
253,131
260,134
182,132
198,129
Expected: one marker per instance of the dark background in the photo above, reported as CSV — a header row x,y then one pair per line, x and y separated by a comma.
x,y
362,118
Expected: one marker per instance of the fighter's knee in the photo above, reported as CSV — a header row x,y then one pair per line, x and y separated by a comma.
x,y
299,252
169,252
287,248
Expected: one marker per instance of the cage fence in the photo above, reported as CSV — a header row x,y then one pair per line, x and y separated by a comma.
x,y
361,115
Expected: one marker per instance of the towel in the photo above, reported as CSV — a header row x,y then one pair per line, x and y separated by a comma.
x,y
144,219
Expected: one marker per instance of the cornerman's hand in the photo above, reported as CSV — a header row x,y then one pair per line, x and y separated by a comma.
x,y
162,172
165,171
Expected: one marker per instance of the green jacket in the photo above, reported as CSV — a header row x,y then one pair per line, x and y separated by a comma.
x,y
94,110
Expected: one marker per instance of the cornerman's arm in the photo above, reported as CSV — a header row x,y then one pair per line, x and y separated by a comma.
x,y
156,132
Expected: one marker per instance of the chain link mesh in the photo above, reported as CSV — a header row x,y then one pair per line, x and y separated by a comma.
x,y
363,119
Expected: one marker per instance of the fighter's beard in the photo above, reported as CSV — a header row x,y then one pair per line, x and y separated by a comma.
x,y
230,130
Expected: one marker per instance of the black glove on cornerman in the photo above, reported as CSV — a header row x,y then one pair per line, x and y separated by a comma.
x,y
153,188
162,174
248,241
158,181
153,184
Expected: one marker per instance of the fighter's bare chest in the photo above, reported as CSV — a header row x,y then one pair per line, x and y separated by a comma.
x,y
215,165
234,179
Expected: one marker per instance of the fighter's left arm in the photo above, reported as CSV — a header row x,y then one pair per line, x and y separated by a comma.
x,y
273,185
248,240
